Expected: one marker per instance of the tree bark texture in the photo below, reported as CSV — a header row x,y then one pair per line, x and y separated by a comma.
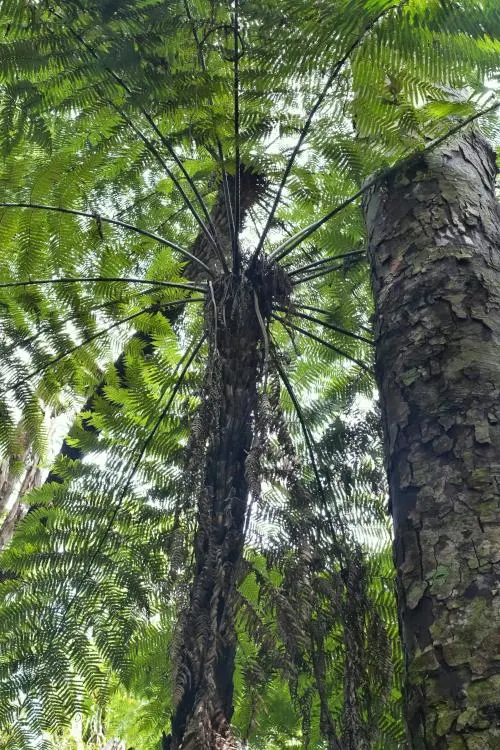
x,y
204,687
434,245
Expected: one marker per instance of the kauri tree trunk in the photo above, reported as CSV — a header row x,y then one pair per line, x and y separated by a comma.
x,y
434,244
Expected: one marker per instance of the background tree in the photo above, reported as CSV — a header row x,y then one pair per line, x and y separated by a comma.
x,y
125,129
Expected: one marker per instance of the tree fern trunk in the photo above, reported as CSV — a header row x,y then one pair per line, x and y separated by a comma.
x,y
204,689
434,242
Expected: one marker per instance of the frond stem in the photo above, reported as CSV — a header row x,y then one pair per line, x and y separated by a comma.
x,y
28,341
148,143
330,326
322,311
136,465
236,98
152,148
115,222
305,130
324,261
321,341
319,274
152,308
111,279
220,153
308,438
286,247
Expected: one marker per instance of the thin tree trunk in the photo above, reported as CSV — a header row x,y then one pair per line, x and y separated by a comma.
x,y
31,479
434,244
204,689
12,468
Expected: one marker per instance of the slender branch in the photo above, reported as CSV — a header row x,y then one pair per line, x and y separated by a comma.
x,y
138,201
148,143
111,279
236,84
227,195
174,179
253,219
305,130
330,326
47,329
305,430
135,468
114,222
324,261
286,247
152,308
321,341
322,311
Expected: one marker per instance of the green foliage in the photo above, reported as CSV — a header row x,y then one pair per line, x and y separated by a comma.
x,y
117,137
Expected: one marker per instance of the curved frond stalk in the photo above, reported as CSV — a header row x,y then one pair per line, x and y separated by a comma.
x,y
292,311
188,357
189,286
219,156
236,98
320,274
308,334
326,261
152,148
76,316
115,222
174,179
305,130
322,311
152,308
286,247
310,445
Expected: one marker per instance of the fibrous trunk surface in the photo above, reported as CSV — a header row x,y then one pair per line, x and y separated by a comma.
x,y
434,243
204,690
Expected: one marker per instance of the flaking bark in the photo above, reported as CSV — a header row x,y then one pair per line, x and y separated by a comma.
x,y
434,245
